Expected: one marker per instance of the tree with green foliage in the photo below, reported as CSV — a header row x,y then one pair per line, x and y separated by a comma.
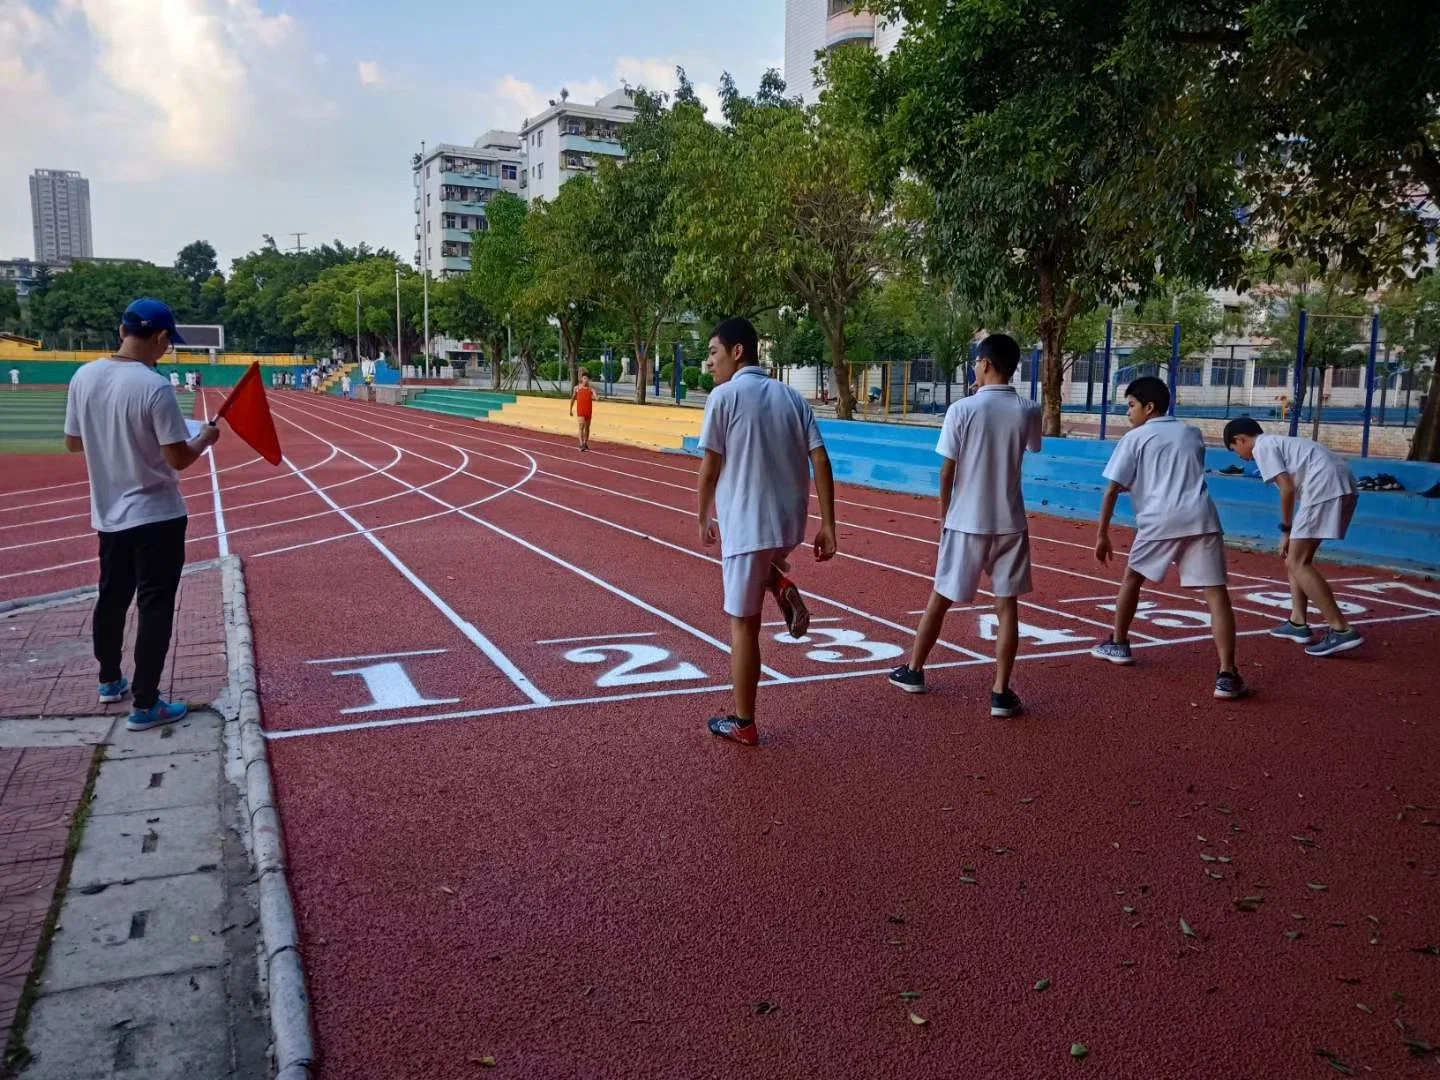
x,y
10,316
564,286
326,307
1150,325
85,303
1336,325
195,262
1330,105
502,266
263,295
1410,318
458,309
716,204
1029,138
631,248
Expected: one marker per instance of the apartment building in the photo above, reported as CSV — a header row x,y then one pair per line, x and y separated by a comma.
x,y
569,139
816,26
60,214
452,185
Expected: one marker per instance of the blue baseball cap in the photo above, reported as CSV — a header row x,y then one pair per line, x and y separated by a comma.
x,y
151,315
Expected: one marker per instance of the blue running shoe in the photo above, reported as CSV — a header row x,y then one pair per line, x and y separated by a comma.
x,y
1290,631
111,692
1337,641
158,715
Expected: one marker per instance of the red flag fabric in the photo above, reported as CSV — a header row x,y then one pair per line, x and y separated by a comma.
x,y
248,413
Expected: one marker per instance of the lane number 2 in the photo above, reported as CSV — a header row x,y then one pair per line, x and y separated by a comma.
x,y
640,665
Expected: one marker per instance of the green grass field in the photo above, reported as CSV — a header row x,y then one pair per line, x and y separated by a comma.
x,y
33,421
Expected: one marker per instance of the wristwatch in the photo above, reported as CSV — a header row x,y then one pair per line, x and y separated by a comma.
x,y
1284,527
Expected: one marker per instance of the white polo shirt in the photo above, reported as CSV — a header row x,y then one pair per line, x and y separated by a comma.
x,y
125,412
986,435
1162,464
765,431
1319,474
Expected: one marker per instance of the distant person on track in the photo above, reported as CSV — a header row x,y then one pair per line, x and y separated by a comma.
x,y
760,440
1317,500
346,387
14,378
175,381
582,402
1161,463
982,514
126,420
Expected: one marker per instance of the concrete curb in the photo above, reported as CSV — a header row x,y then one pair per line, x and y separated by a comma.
x,y
81,592
290,1025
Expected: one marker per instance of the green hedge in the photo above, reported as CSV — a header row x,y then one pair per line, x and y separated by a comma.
x,y
691,377
707,381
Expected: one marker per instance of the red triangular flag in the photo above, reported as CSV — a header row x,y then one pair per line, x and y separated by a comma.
x,y
248,413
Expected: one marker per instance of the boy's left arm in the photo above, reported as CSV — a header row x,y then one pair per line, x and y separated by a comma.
x,y
1103,547
825,542
1286,483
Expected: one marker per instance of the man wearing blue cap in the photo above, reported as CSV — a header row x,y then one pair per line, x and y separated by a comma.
x,y
122,414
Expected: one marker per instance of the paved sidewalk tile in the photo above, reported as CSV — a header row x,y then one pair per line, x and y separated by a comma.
x,y
46,666
40,789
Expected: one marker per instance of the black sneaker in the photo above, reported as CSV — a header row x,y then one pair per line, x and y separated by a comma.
x,y
1229,684
734,729
907,679
1006,704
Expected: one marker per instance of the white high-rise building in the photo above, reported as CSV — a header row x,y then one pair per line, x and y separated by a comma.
x,y
816,26
60,212
452,186
568,139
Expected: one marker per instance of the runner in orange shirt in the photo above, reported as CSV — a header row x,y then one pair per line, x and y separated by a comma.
x,y
584,397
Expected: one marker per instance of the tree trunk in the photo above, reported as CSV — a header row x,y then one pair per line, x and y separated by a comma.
x,y
568,331
844,392
496,350
1052,332
1426,445
642,369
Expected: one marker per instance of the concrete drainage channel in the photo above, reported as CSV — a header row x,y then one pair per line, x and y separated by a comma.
x,y
177,929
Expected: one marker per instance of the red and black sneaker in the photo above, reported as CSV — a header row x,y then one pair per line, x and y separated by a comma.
x,y
734,729
792,605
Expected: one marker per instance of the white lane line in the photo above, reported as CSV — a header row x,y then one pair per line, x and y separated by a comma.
x,y
224,540
828,618
596,637
716,688
1087,599
594,579
378,656
472,634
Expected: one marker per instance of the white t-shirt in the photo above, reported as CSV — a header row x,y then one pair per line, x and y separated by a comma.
x,y
1318,473
986,435
345,384
125,412
1162,464
174,381
765,431
14,376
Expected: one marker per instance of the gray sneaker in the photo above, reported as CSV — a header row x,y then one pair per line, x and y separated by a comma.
x,y
1336,641
1228,685
1290,632
1113,651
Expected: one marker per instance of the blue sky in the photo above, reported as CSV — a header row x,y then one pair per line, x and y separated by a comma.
x,y
253,116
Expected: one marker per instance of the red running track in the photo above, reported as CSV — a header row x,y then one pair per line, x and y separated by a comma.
x,y
511,837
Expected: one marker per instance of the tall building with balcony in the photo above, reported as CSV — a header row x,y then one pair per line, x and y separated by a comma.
x,y
569,139
817,26
60,212
452,186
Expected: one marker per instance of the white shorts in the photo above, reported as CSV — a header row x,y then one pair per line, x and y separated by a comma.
x,y
1201,559
1004,558
747,579
1328,520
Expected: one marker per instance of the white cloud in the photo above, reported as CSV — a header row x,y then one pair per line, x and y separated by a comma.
x,y
369,72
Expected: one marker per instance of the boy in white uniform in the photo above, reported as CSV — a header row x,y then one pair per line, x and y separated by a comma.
x,y
760,440
345,386
1317,500
982,509
1161,463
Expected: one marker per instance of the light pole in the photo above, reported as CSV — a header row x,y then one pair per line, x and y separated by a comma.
x,y
399,336
425,264
357,326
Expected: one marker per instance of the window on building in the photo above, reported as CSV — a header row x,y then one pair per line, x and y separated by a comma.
x,y
427,198
507,172
1346,377
841,7
1190,374
540,137
427,172
1227,371
1271,375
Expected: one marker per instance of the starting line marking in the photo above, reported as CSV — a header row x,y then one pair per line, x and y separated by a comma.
x,y
594,637
377,656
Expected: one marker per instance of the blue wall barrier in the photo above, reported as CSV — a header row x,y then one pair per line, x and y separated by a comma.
x,y
1392,528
